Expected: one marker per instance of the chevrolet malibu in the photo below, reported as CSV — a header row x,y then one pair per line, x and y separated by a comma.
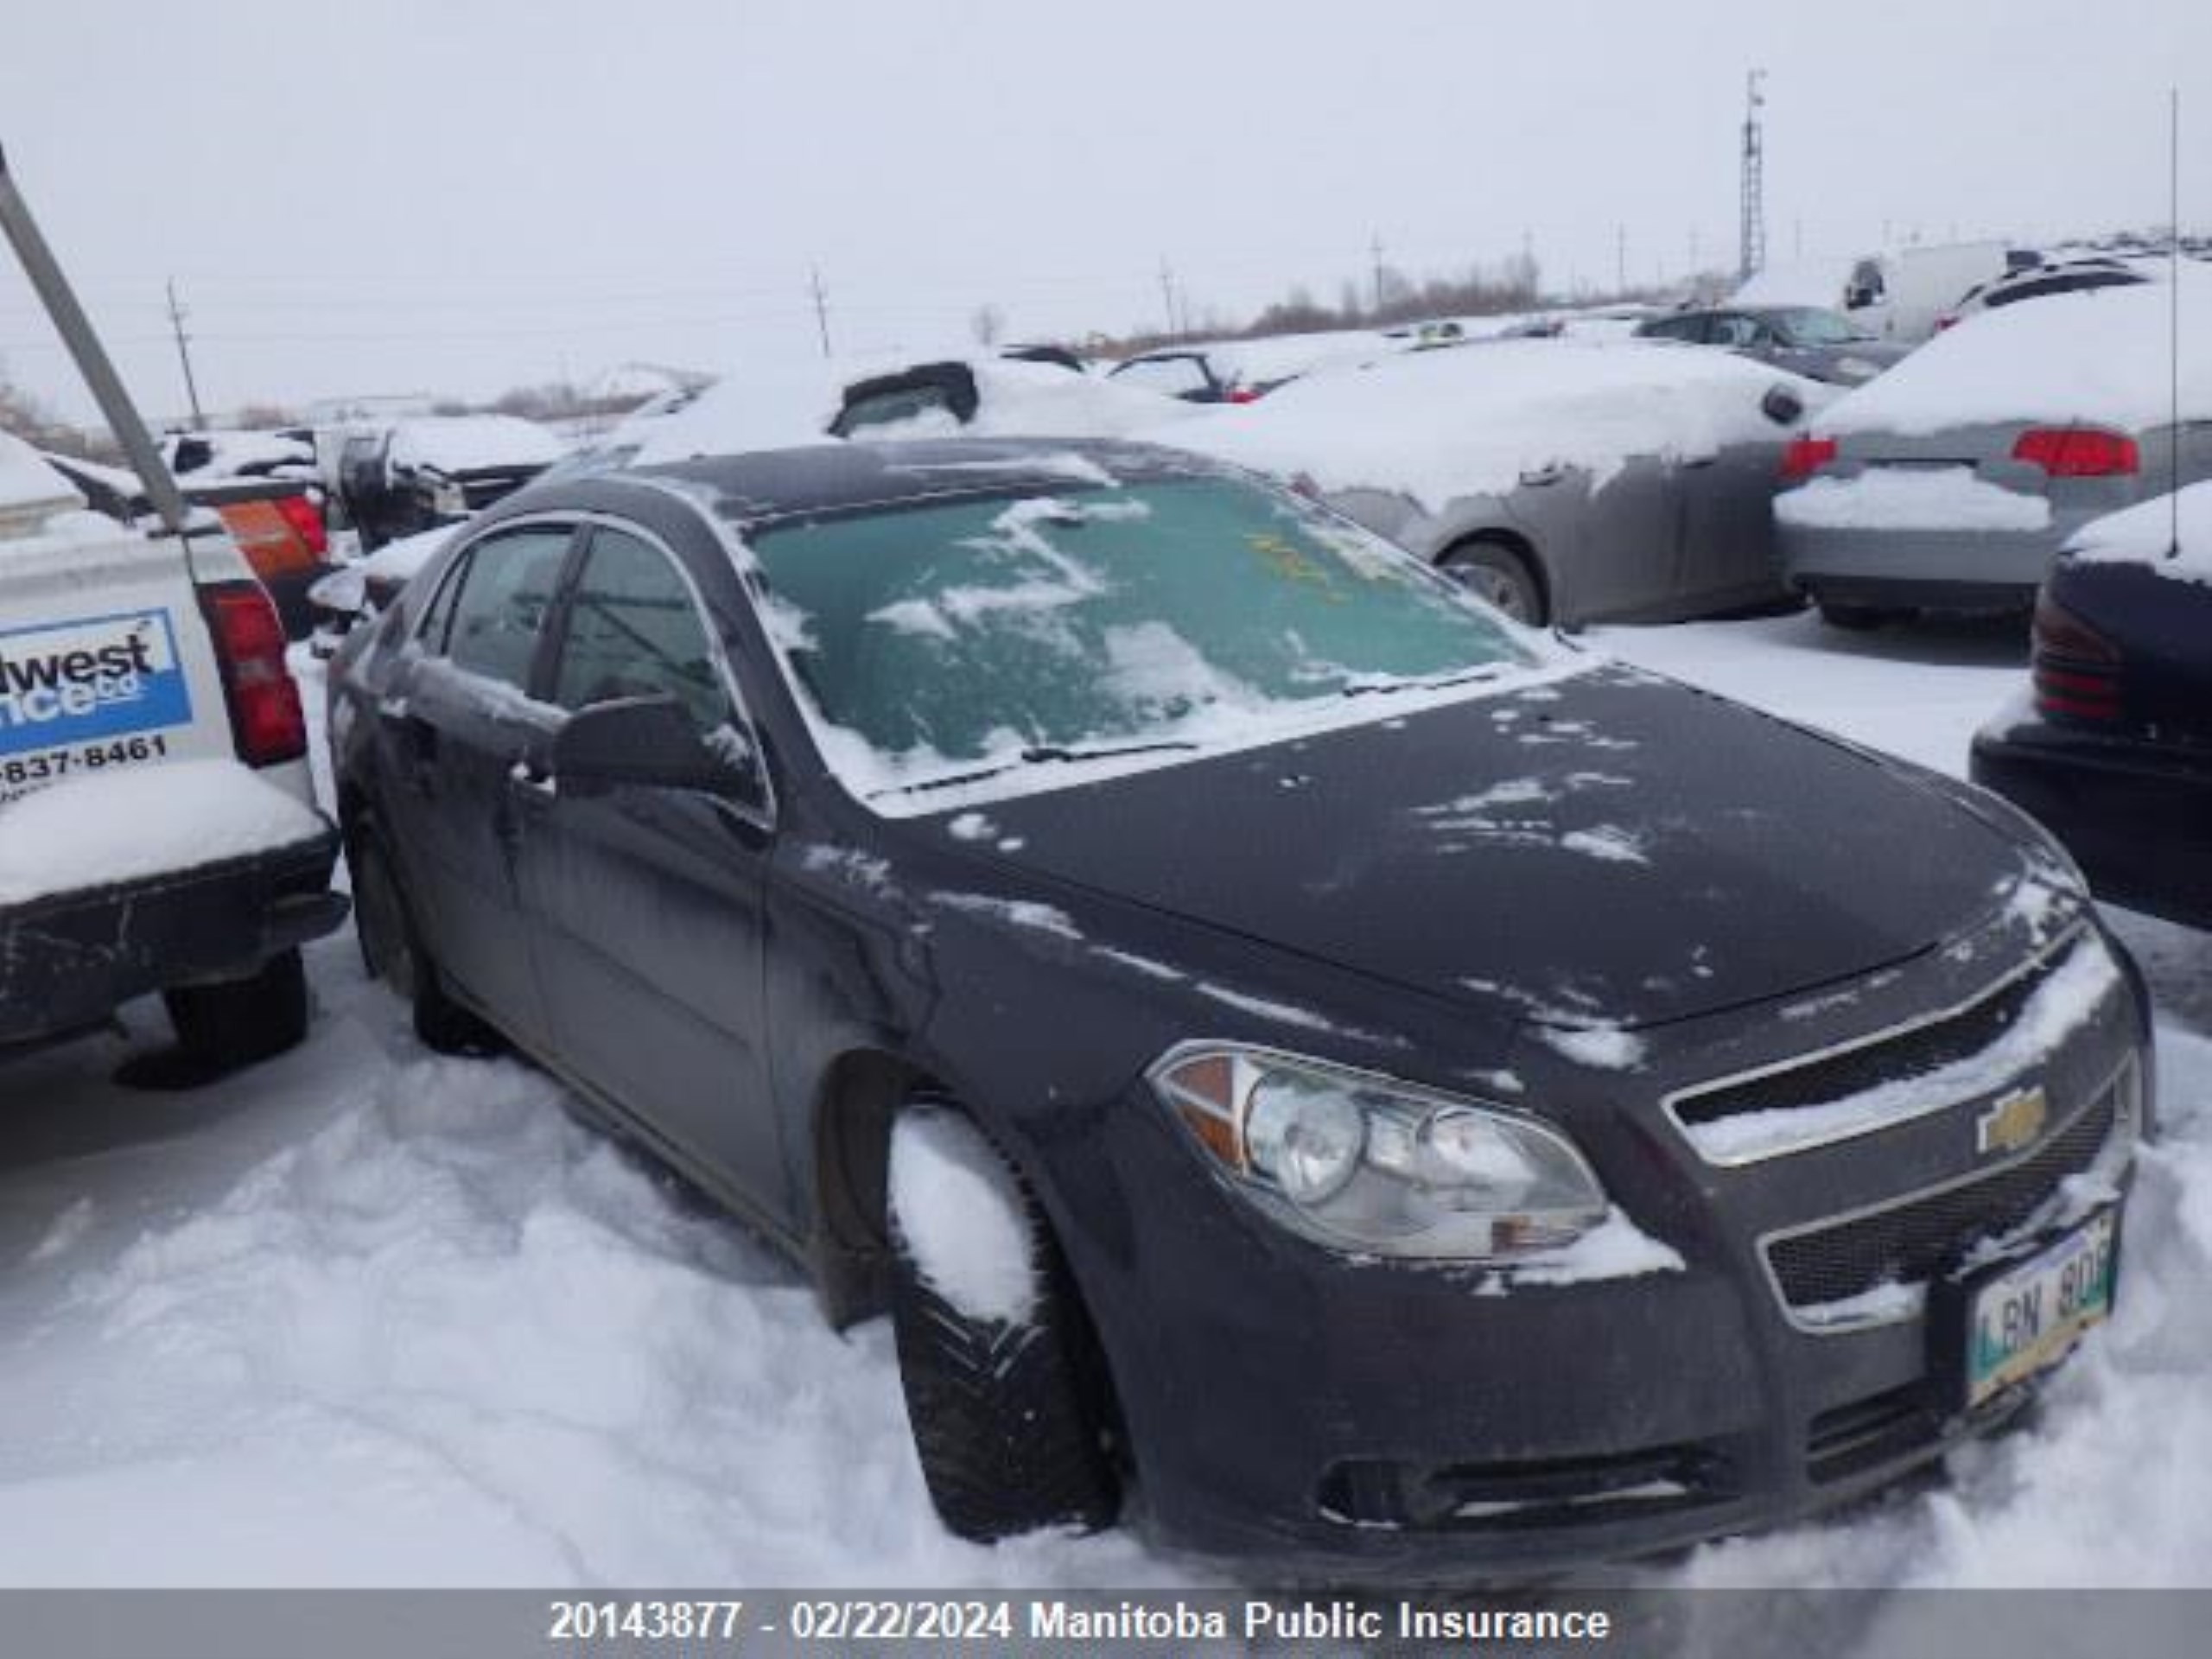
x,y
1295,1053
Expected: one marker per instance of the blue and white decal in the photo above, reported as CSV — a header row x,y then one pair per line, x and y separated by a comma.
x,y
89,678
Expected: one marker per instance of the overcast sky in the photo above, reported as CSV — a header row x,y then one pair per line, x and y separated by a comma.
x,y
464,195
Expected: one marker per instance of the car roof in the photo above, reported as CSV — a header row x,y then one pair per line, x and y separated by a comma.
x,y
764,487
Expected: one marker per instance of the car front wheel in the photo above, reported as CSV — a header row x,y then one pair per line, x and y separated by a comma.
x,y
1004,1388
1494,572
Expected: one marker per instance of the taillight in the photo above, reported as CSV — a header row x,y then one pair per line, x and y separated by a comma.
x,y
1806,457
2078,452
2076,668
266,721
1243,395
303,516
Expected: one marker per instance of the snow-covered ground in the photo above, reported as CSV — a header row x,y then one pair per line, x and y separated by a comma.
x,y
369,1316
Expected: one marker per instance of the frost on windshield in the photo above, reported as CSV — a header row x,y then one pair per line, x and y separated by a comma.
x,y
941,642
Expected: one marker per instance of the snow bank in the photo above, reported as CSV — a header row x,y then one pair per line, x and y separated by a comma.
x,y
118,826
462,443
1814,281
2144,535
1470,420
2101,356
1905,497
961,1212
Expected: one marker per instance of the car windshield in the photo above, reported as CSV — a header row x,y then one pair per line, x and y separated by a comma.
x,y
941,642
1815,327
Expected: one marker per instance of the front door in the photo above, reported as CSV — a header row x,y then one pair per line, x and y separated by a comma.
x,y
646,905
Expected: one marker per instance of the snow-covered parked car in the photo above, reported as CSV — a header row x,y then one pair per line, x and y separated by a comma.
x,y
1820,345
408,477
1566,481
1951,482
2113,751
1131,926
1243,370
158,829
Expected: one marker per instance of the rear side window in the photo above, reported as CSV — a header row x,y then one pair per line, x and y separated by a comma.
x,y
504,596
1684,328
634,631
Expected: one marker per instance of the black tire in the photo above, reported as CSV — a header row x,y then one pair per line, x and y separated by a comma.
x,y
1008,1418
1859,618
221,1027
1495,572
392,950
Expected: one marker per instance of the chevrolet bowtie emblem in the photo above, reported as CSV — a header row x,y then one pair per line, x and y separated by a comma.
x,y
2012,1123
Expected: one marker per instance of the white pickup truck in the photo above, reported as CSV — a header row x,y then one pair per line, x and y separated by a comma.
x,y
158,829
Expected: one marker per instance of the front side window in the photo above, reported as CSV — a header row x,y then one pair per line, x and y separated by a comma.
x,y
504,596
634,631
933,640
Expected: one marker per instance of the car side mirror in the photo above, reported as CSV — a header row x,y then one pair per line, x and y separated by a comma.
x,y
646,743
1782,406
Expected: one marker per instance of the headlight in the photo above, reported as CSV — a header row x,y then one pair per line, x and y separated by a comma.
x,y
1369,1165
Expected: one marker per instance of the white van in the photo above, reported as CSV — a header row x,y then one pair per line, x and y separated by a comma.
x,y
1901,295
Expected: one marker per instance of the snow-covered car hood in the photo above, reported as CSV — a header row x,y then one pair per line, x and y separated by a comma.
x,y
1439,426
1599,852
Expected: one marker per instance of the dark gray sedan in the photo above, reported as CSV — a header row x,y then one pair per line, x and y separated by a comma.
x,y
1805,339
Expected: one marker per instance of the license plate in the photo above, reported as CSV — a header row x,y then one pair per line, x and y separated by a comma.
x,y
2026,1318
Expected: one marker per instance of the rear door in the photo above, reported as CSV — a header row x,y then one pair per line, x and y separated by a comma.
x,y
454,731
646,905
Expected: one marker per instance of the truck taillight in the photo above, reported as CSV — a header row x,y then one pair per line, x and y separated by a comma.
x,y
302,515
2074,668
2078,452
266,718
1806,457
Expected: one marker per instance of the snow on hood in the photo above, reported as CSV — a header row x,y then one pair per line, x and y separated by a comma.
x,y
347,587
462,443
30,490
777,406
2102,355
1437,426
1278,356
1041,400
121,826
2143,534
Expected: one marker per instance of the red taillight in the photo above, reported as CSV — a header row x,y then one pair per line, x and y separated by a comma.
x,y
1943,322
266,718
2076,668
1243,395
303,516
1806,457
2077,451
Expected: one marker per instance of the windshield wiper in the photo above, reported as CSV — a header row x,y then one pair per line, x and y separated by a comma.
x,y
1036,754
1436,683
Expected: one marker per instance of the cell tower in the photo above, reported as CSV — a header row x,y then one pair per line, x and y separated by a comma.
x,y
1753,254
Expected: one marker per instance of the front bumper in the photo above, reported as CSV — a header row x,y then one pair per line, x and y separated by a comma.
x,y
68,961
2136,816
1290,1410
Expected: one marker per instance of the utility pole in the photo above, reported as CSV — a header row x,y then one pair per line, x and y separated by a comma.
x,y
820,308
1751,254
1620,259
1167,292
177,314
1375,254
